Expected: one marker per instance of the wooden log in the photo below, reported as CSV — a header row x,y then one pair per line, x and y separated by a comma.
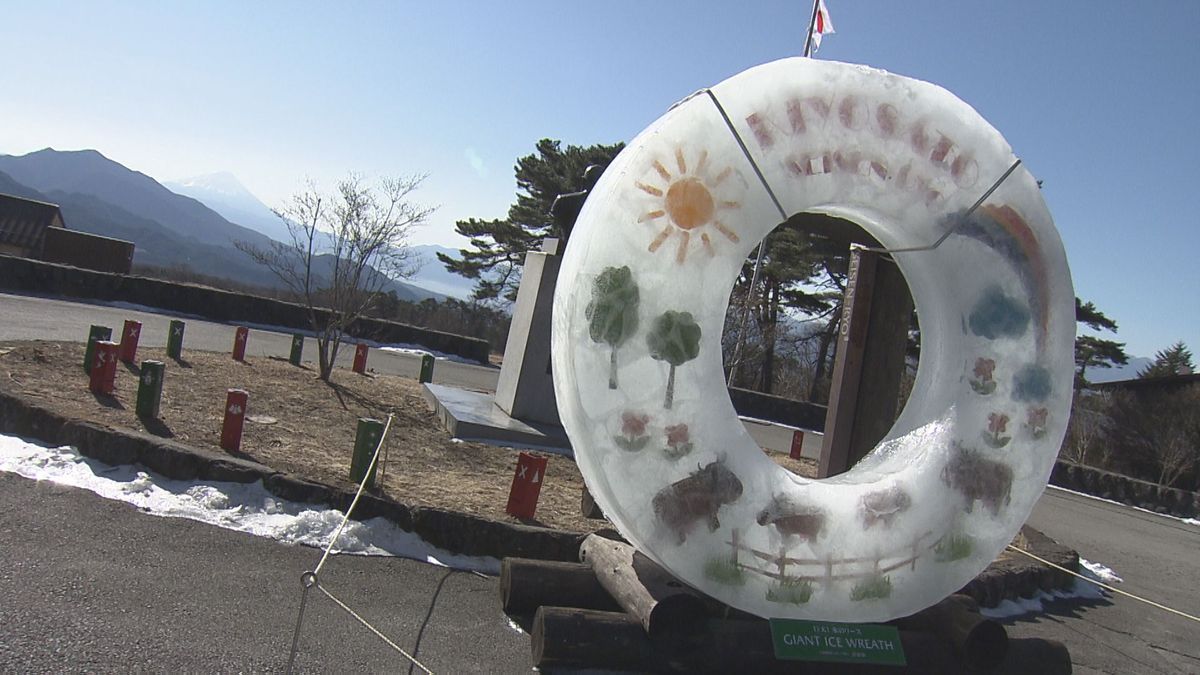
x,y
588,505
568,637
980,642
655,598
575,638
528,584
1035,655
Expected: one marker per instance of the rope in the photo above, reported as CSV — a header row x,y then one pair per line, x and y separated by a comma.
x,y
1104,585
361,487
371,628
309,579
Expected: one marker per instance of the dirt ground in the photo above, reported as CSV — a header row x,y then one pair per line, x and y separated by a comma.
x,y
299,424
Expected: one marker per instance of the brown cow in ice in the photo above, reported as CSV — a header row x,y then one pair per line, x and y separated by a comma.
x,y
979,479
697,498
883,506
792,519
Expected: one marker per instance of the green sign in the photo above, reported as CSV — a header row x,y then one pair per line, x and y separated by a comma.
x,y
837,642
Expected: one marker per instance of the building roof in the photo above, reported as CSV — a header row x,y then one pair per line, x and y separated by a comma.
x,y
23,221
1165,382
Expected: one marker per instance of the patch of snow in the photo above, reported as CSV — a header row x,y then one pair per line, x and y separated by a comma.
x,y
244,507
1100,572
1188,521
418,350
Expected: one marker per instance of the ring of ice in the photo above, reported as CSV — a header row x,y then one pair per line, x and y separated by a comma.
x,y
639,311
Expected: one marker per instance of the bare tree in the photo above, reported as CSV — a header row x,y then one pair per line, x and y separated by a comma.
x,y
1088,428
1160,430
345,248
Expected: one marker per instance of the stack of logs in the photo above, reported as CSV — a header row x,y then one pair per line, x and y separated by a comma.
x,y
618,610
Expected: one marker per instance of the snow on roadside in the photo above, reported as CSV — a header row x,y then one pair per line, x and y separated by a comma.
x,y
1080,589
244,507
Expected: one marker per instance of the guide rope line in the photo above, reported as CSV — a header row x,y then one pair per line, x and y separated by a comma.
x,y
1104,585
361,487
371,628
310,580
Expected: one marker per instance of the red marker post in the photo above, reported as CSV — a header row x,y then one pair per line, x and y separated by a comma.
x,y
104,368
235,417
129,340
360,359
797,444
526,486
239,343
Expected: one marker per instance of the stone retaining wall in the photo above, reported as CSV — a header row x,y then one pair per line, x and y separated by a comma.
x,y
1126,490
23,275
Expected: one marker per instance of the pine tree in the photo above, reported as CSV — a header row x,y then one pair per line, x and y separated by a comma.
x,y
1092,351
499,246
1175,360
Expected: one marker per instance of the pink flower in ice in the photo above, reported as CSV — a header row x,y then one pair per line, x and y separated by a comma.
x,y
984,368
1037,417
677,434
997,423
633,424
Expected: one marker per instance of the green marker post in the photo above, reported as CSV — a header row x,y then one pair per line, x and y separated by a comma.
x,y
365,442
175,340
426,369
297,349
150,387
95,334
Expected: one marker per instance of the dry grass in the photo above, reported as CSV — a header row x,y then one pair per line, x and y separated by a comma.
x,y
299,424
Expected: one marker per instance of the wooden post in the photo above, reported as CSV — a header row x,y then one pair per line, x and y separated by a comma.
x,y
129,340
240,338
360,359
870,361
236,401
662,604
528,584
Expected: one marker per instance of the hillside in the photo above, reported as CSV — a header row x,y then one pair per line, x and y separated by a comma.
x,y
103,197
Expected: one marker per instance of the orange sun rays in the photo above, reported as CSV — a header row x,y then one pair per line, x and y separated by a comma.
x,y
687,201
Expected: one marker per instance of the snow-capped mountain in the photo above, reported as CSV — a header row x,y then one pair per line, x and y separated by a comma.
x,y
224,193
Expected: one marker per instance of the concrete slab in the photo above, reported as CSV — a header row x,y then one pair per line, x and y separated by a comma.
x,y
474,416
779,437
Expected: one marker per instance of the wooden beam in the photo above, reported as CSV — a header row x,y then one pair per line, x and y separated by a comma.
x,y
528,584
661,603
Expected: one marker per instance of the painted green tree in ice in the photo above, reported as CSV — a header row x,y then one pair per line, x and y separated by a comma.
x,y
674,338
613,312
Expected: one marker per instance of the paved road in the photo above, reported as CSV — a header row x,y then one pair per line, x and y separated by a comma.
x,y
1158,558
91,585
36,318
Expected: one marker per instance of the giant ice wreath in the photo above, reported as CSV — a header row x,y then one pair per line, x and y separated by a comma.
x,y
641,301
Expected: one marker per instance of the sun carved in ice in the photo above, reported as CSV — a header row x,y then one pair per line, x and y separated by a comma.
x,y
686,204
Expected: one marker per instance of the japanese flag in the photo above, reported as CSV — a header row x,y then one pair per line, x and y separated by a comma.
x,y
821,26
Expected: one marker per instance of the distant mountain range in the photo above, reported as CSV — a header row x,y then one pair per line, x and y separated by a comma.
x,y
195,229
224,193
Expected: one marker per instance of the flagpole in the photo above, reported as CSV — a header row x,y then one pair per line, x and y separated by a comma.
x,y
812,25
762,245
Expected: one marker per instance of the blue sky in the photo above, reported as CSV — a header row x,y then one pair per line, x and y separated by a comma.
x,y
274,92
